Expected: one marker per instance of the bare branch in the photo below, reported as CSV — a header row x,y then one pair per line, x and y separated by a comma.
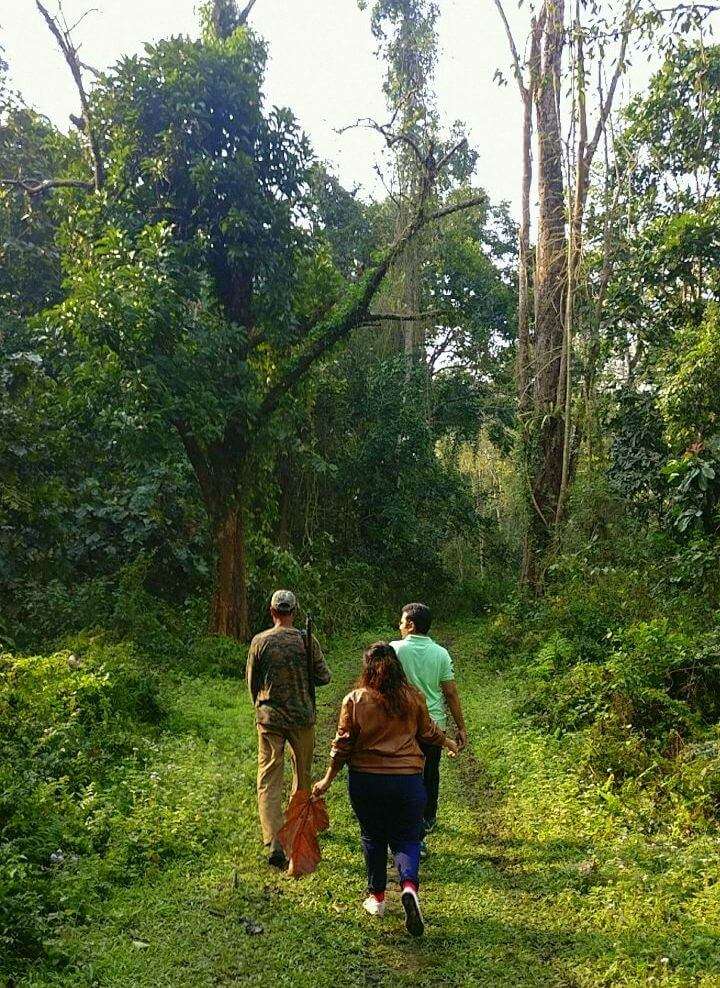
x,y
91,69
455,208
81,18
399,317
246,12
370,122
517,66
630,11
35,188
70,53
388,191
461,144
391,137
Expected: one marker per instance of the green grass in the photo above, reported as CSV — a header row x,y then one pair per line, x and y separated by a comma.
x,y
533,878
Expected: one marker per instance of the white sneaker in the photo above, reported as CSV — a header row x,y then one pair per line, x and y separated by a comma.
x,y
372,906
413,917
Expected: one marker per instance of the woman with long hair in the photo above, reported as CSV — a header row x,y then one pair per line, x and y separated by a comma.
x,y
382,722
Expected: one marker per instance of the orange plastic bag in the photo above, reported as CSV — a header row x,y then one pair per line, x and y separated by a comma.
x,y
304,820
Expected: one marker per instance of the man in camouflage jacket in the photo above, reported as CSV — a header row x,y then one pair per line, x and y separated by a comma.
x,y
278,677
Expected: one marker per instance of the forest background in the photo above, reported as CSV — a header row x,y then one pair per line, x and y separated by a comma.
x,y
222,372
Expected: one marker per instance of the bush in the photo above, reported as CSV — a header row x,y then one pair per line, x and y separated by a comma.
x,y
45,615
572,700
698,777
216,655
65,719
640,692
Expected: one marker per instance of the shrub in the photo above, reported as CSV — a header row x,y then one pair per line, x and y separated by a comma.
x,y
572,700
65,719
698,777
610,750
217,656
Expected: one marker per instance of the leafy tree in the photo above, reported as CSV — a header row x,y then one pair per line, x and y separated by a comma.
x,y
658,324
665,270
195,274
356,437
690,390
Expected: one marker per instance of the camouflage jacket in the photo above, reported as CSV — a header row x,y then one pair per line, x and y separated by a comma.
x,y
278,677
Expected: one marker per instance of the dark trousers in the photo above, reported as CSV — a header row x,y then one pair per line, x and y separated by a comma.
x,y
389,809
431,778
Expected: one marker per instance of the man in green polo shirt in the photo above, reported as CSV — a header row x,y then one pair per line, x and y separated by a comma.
x,y
429,667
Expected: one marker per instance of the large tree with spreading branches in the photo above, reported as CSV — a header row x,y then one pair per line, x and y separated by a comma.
x,y
192,267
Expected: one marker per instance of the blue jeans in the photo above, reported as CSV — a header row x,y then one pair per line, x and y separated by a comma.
x,y
390,810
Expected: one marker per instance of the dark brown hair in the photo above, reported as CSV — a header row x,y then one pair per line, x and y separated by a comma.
x,y
383,674
420,616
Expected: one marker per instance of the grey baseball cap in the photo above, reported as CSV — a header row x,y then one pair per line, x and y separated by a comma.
x,y
283,601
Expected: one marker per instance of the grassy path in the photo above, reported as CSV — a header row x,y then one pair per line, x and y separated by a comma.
x,y
531,879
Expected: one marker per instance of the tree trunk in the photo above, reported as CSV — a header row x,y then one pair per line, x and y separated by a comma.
x,y
546,456
523,350
230,600
284,505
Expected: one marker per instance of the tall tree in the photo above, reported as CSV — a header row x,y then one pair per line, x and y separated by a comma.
x,y
406,33
191,268
551,92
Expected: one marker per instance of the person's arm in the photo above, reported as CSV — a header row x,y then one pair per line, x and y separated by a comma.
x,y
341,748
452,697
251,672
428,731
321,787
321,669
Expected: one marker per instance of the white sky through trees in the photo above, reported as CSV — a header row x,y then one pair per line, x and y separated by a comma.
x,y
322,65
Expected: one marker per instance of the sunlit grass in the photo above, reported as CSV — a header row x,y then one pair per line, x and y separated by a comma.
x,y
533,878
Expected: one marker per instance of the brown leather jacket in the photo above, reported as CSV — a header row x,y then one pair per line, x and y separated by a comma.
x,y
372,741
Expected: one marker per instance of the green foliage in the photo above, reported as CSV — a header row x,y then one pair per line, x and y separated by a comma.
x,y
215,655
638,452
689,399
121,605
64,721
31,149
677,126
695,487
407,38
634,681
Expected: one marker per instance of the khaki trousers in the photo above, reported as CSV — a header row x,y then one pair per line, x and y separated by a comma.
x,y
271,761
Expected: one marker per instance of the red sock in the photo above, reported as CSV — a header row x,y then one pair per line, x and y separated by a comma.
x,y
409,885
378,896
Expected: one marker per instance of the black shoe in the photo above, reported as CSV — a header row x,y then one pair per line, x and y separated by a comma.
x,y
278,860
413,917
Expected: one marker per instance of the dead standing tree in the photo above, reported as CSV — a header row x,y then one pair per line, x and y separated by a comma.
x,y
406,36
540,351
545,322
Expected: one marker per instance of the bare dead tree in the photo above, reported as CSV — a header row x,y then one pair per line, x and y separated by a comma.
x,y
63,36
585,150
526,77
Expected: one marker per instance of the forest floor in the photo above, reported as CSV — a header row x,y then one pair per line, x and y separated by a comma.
x,y
532,878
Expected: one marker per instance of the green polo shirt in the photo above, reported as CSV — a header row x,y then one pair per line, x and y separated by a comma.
x,y
426,665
